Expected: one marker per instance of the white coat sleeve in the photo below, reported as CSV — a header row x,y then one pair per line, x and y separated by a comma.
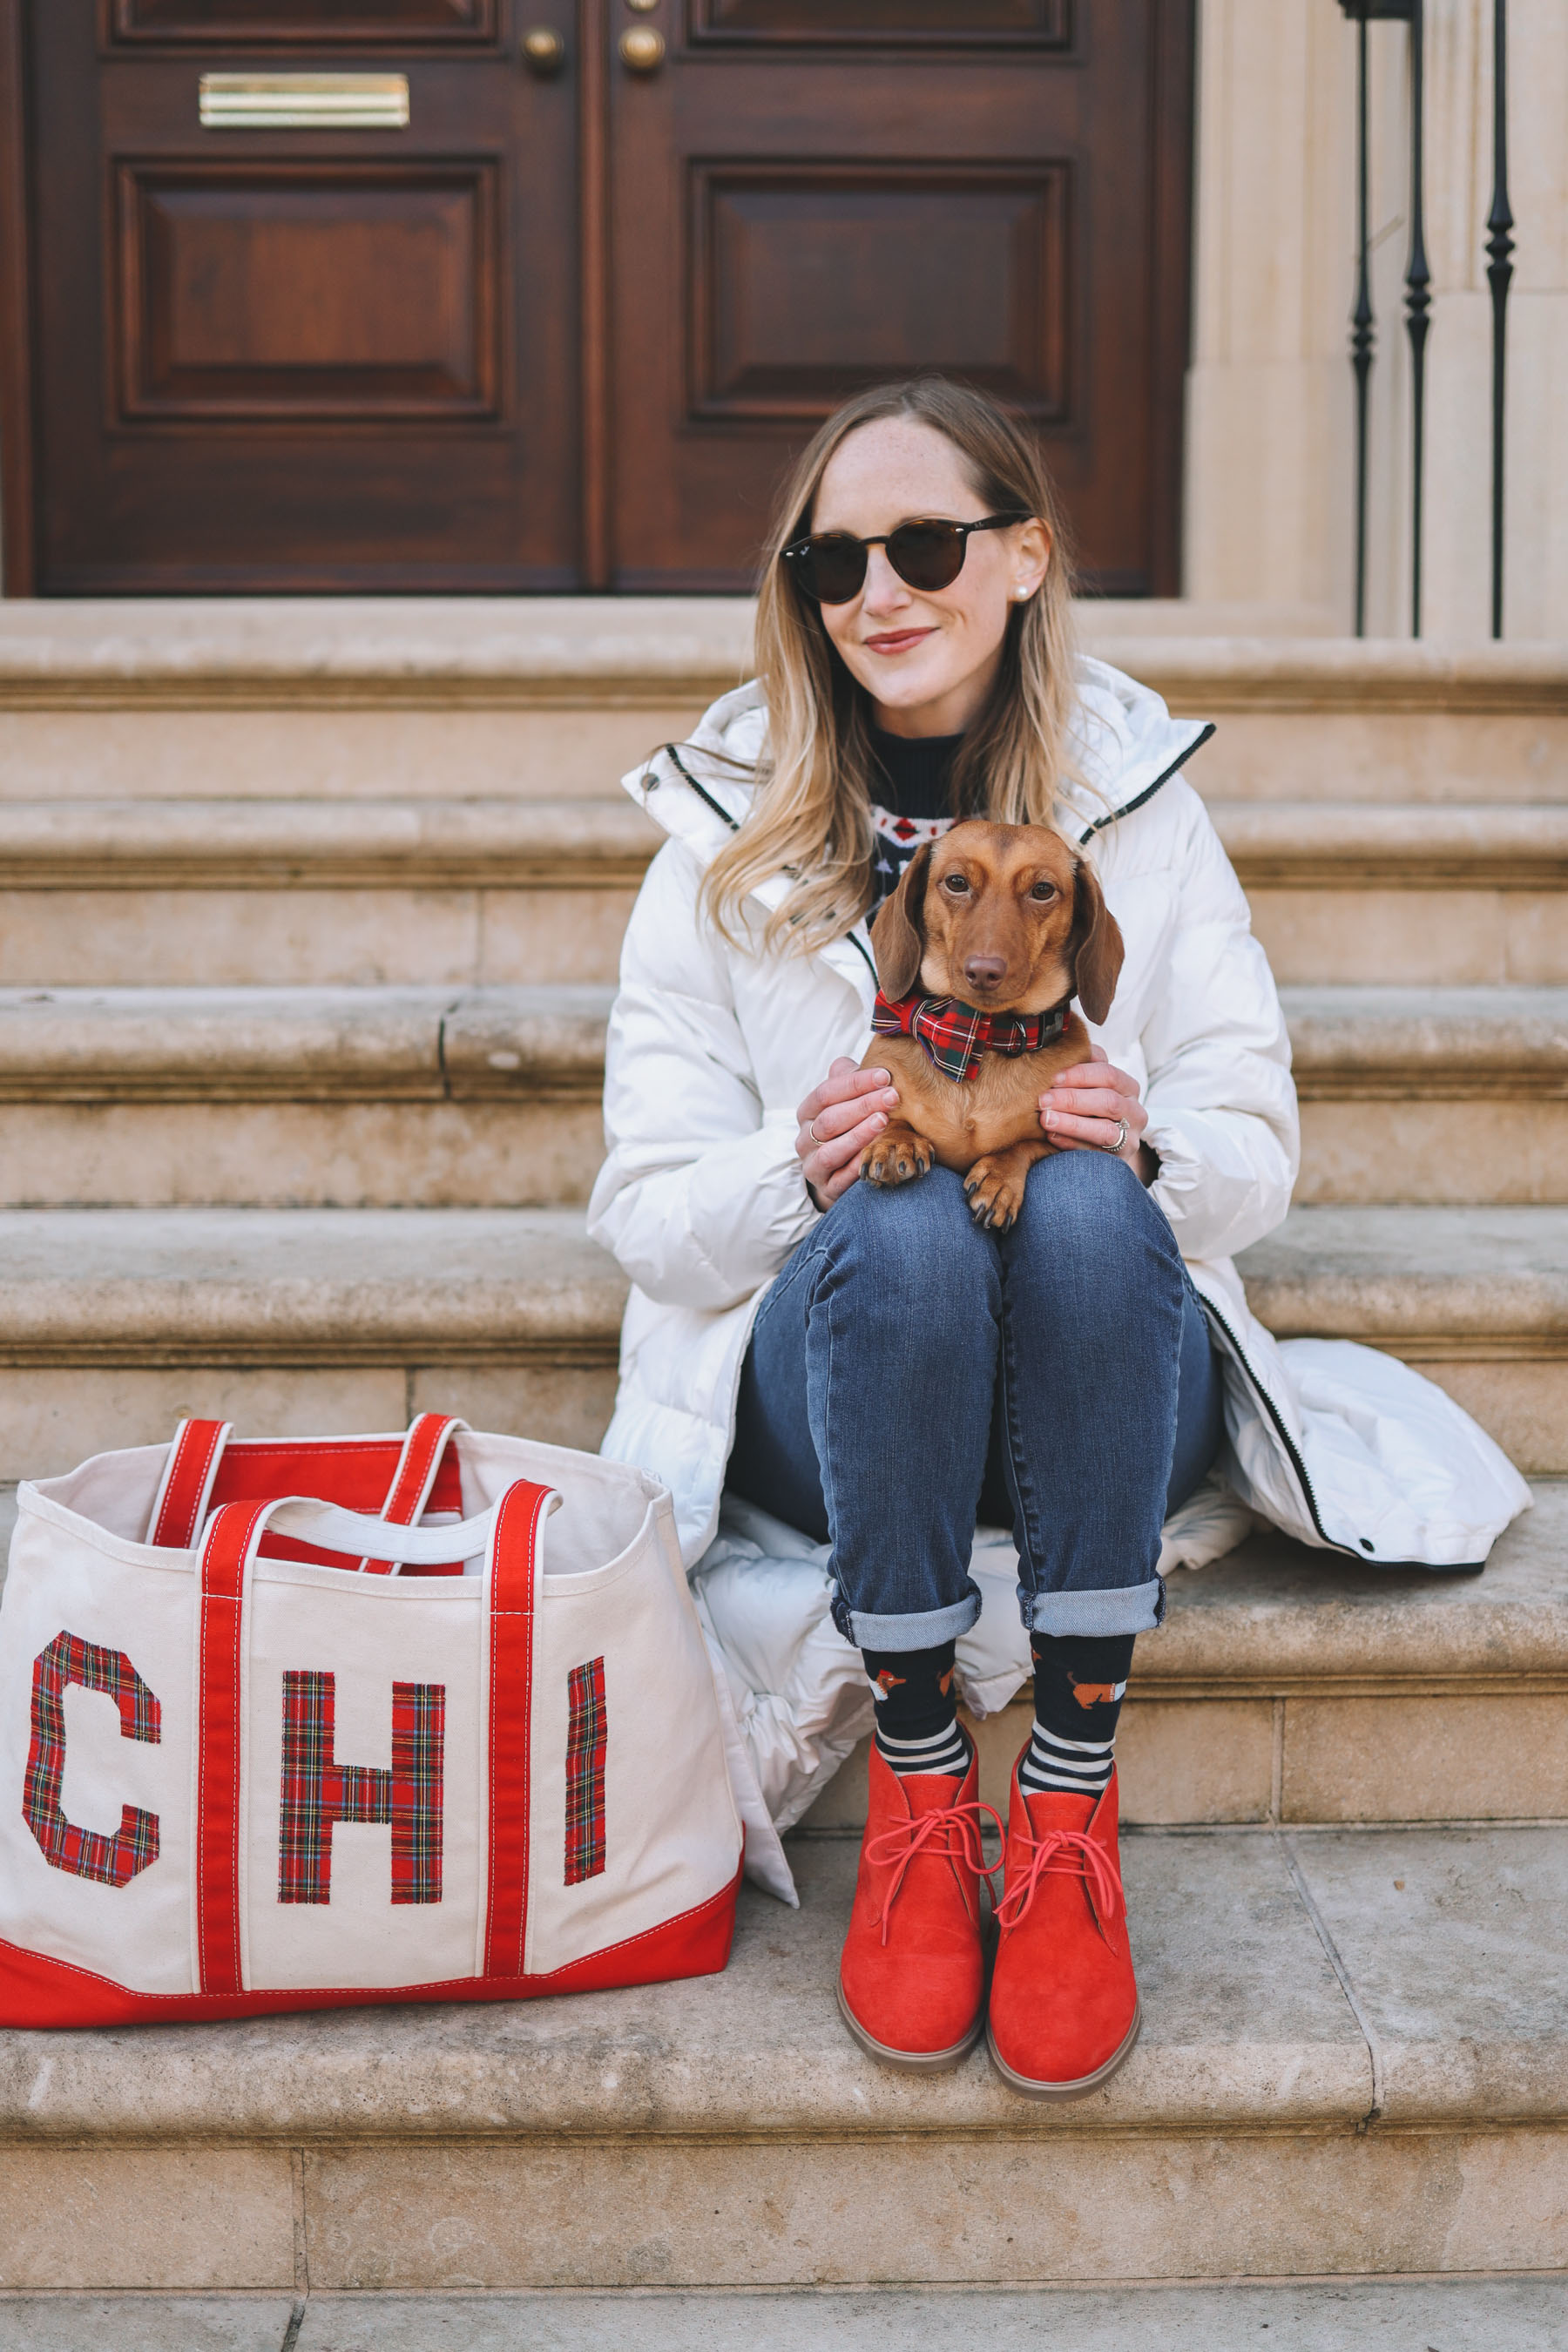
x,y
702,1198
1221,1101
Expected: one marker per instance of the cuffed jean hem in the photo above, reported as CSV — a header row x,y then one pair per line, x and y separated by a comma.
x,y
1123,1609
921,1630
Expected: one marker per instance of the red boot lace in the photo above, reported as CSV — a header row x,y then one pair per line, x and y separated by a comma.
x,y
1071,1851
957,1827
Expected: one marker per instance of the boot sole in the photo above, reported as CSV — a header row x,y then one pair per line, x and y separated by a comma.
x,y
1085,2084
909,2062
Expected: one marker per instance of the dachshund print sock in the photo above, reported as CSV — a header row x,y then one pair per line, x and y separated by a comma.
x,y
1080,1679
916,1693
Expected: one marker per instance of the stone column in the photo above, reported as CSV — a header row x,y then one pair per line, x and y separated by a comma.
x,y
1269,449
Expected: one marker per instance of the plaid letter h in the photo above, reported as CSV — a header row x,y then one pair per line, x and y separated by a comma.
x,y
318,1790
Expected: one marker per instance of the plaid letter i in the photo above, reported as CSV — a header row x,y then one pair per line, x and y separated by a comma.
x,y
586,1735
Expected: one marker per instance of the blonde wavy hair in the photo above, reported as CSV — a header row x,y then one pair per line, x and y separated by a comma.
x,y
811,813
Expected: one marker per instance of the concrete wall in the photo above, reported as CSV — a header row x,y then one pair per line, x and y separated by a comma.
x,y
1269,509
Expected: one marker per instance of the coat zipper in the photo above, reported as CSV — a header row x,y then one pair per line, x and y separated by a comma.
x,y
1292,1451
718,808
1113,815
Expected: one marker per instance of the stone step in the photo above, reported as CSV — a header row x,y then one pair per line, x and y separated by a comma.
x,y
557,696
1476,1298
489,1097
115,1321
431,1097
1468,2315
1289,1685
465,891
354,697
1403,895
1433,1095
1352,2062
224,892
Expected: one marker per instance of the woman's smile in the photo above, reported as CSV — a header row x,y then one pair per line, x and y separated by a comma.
x,y
897,641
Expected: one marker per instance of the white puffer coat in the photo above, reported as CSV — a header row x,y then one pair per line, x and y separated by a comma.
x,y
702,1200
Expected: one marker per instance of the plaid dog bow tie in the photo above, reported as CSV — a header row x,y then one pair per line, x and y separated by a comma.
x,y
954,1036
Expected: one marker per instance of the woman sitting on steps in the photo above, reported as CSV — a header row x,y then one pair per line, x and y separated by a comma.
x,y
871,1365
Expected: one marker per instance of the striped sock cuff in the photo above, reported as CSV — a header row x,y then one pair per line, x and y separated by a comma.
x,y
1079,1766
941,1751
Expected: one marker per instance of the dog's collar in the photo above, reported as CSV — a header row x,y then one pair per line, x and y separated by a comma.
x,y
954,1036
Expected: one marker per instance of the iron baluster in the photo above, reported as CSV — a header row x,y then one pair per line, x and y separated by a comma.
x,y
1500,274
1363,332
1417,310
1417,291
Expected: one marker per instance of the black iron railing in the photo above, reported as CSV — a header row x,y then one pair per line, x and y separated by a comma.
x,y
1419,293
1500,275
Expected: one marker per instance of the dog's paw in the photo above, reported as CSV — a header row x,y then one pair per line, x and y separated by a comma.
x,y
996,1193
897,1156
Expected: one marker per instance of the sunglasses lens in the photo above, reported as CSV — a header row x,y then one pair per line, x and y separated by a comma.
x,y
833,568
927,554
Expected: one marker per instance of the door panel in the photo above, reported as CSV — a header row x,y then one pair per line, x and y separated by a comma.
x,y
955,23
340,23
297,289
809,282
302,359
820,205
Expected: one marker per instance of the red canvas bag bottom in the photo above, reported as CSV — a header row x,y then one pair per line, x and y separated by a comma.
x,y
36,1992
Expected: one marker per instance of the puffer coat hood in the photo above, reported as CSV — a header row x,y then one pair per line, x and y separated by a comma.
x,y
712,1046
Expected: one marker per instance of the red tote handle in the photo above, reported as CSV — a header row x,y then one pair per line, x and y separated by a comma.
x,y
190,1474
514,1571
183,1500
414,1476
226,1556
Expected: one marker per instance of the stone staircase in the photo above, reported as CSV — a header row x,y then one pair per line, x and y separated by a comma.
x,y
308,922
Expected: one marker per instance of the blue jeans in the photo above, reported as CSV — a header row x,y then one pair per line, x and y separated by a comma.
x,y
908,1373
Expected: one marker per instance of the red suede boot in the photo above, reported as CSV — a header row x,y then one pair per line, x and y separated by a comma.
x,y
912,1983
1064,2009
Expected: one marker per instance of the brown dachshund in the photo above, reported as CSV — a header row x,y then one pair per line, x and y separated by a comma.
x,y
991,921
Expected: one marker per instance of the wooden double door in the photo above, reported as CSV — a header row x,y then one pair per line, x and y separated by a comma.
x,y
502,295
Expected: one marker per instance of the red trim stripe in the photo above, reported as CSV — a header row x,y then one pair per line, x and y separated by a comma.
x,y
219,1734
414,1476
40,1992
514,1550
188,1476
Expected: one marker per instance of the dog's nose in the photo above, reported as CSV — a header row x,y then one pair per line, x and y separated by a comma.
x,y
984,972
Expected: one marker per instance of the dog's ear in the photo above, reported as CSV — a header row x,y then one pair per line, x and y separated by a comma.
x,y
1095,949
899,933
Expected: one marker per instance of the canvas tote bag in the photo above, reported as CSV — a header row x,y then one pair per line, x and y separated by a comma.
x,y
309,1724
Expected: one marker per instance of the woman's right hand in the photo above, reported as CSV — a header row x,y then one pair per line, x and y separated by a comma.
x,y
837,1120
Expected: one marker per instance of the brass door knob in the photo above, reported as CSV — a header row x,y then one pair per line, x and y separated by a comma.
x,y
642,50
544,52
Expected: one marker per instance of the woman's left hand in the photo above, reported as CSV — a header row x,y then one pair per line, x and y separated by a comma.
x,y
1080,1110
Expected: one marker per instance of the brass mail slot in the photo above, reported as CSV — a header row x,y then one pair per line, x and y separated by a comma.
x,y
304,101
